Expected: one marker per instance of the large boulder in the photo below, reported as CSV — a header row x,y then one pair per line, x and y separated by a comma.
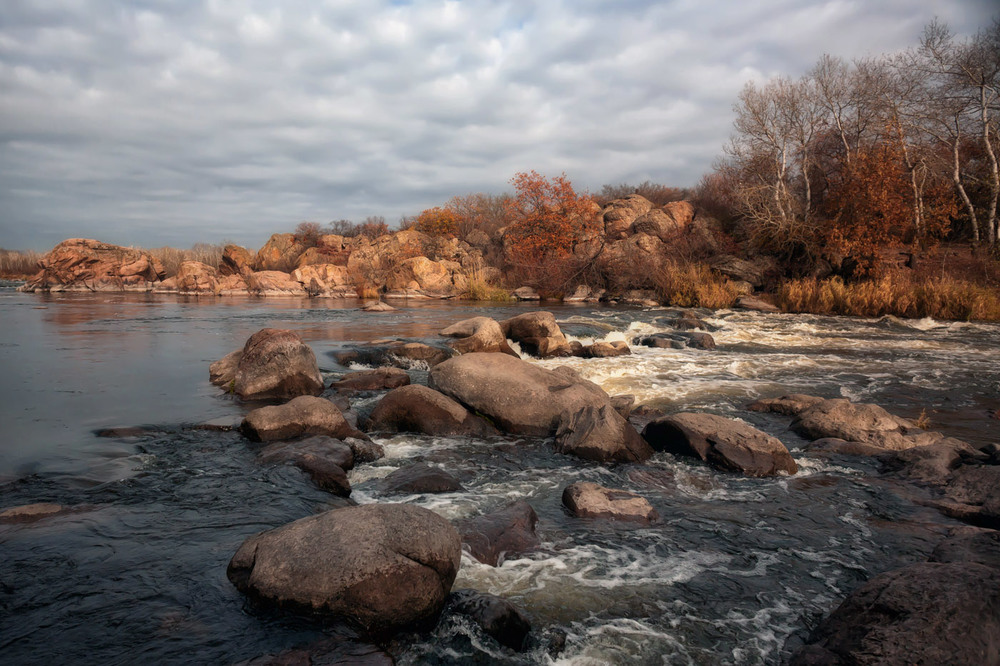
x,y
273,283
620,214
666,223
235,260
194,277
537,333
590,500
379,379
478,334
334,450
601,434
280,253
384,566
862,422
721,442
325,280
519,397
81,264
276,364
305,415
926,613
416,408
493,537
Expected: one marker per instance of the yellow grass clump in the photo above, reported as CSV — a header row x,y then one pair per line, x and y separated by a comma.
x,y
481,289
689,285
171,257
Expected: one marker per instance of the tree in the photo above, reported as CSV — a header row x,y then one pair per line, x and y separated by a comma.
x,y
547,217
439,222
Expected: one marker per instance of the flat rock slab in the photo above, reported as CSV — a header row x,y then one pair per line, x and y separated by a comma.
x,y
723,443
493,537
420,478
590,500
29,513
383,566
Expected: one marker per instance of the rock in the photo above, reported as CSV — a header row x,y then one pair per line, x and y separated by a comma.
x,y
840,447
280,253
589,500
396,353
420,478
756,304
334,450
623,404
223,371
422,276
931,464
81,264
378,306
497,617
324,280
364,450
789,405
379,379
537,333
194,277
305,415
601,434
977,489
273,283
697,340
518,397
660,223
346,650
579,295
232,285
417,408
620,214
606,349
926,613
865,423
738,269
526,294
235,260
479,334
678,340
721,442
29,513
384,566
276,364
982,548
479,239
493,537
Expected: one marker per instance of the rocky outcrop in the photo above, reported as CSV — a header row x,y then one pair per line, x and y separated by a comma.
x,y
620,214
384,566
325,281
305,415
276,364
738,269
925,613
590,500
420,276
601,434
419,478
379,379
280,253
272,284
723,443
194,277
416,408
478,334
498,618
537,333
493,537
81,264
667,223
235,260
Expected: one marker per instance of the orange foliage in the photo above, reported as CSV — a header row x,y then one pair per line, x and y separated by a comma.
x,y
547,217
437,221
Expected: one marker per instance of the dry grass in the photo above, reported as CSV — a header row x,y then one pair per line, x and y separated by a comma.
x,y
172,257
18,264
894,294
689,285
481,289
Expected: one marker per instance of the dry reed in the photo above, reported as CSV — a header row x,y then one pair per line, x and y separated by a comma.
x,y
18,264
688,285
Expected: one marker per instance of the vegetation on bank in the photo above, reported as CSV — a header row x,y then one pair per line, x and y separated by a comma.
x,y
17,264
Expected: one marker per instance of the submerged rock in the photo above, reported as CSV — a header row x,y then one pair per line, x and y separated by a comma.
x,y
606,349
721,442
416,408
396,353
378,306
493,537
925,613
420,478
379,379
384,566
590,500
29,513
497,617
276,364
305,415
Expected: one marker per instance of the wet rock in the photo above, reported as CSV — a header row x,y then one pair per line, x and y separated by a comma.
x,y
384,566
497,617
606,350
537,333
493,537
721,442
81,264
479,334
123,432
379,379
223,372
789,405
590,500
526,294
932,464
396,353
677,340
623,404
518,397
339,651
378,306
976,491
926,613
836,446
697,340
601,434
276,364
757,304
334,450
364,450
418,479
982,548
305,415
862,422
29,513
417,408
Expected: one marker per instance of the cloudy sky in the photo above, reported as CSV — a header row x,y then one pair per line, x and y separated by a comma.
x,y
159,122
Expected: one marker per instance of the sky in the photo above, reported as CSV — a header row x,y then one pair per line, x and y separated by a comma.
x,y
162,122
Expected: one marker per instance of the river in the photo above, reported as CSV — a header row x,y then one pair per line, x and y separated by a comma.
x,y
736,572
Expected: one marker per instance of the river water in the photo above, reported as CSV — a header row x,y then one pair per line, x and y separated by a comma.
x,y
736,572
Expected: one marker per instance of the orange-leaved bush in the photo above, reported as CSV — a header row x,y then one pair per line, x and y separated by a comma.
x,y
437,222
547,217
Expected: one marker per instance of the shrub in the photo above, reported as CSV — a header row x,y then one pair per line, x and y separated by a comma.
x,y
439,222
171,258
688,285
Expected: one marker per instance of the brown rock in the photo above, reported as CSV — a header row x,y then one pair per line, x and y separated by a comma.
x,y
417,408
601,434
276,364
537,333
379,379
623,404
194,277
422,276
235,260
80,264
606,349
378,306
526,294
29,513
305,415
324,280
590,500
420,478
334,450
865,423
666,223
273,283
757,304
723,443
223,371
619,215
789,405
479,334
384,566
280,253
982,548
493,537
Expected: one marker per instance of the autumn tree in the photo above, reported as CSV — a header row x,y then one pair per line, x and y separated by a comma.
x,y
439,222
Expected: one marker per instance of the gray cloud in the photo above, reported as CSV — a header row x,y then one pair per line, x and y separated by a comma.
x,y
159,122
